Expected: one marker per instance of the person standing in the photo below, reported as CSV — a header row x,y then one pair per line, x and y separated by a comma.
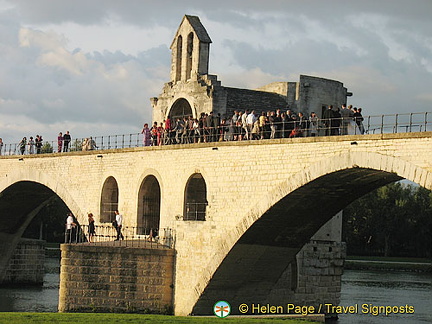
x,y
66,141
22,145
146,135
272,122
313,122
70,225
91,227
1,145
154,134
119,223
59,142
359,119
31,144
327,117
347,116
38,144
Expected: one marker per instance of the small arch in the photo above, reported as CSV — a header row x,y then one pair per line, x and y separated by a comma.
x,y
149,202
181,108
109,200
179,58
190,40
195,202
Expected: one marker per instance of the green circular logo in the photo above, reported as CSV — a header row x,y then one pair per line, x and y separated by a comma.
x,y
222,309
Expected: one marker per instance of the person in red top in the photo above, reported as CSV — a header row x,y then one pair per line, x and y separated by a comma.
x,y
153,132
59,142
160,131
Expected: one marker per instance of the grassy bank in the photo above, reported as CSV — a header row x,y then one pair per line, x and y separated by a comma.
x,y
84,318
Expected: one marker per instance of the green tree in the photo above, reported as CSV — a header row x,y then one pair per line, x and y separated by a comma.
x,y
76,145
394,220
47,148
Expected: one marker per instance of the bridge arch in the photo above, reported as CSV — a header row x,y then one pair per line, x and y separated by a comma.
x,y
51,182
271,234
20,202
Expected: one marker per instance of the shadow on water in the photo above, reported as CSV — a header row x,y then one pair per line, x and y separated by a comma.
x,y
31,298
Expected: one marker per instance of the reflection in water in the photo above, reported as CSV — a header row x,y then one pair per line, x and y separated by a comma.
x,y
386,288
34,299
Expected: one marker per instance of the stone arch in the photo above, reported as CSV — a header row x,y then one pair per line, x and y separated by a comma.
x,y
179,58
109,200
195,198
20,202
52,182
181,108
189,55
277,228
149,204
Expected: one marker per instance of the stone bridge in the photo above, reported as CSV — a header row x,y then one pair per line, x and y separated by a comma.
x,y
241,211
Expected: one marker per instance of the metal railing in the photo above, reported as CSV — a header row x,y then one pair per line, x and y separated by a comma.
x,y
227,131
195,212
162,238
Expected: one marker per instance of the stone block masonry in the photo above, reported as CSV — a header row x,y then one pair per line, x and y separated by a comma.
x,y
27,263
115,279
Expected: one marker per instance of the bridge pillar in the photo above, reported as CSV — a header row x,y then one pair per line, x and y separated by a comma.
x,y
26,266
103,277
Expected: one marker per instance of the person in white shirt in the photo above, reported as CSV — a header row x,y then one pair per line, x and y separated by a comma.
x,y
119,223
250,121
70,225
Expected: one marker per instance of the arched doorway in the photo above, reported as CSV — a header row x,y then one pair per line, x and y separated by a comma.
x,y
149,199
181,108
109,200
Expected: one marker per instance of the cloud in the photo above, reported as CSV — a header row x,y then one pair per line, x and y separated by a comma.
x,y
91,66
50,88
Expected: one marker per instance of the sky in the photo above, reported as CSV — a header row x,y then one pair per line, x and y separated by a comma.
x,y
92,66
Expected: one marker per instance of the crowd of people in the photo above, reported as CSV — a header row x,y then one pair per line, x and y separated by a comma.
x,y
242,125
248,125
36,145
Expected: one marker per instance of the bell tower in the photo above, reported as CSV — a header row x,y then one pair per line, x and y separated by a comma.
x,y
190,50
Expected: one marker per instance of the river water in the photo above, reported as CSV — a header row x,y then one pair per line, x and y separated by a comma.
x,y
386,288
376,288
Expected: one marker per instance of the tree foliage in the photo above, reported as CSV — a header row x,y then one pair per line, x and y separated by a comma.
x,y
47,148
394,220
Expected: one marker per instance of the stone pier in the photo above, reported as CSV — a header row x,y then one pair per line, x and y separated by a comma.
x,y
26,265
108,277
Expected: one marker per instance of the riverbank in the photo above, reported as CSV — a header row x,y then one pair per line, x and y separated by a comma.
x,y
388,263
77,318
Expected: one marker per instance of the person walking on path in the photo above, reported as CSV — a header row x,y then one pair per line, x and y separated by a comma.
x,y
119,223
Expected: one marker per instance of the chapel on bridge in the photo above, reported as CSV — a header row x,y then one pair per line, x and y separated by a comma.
x,y
192,90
